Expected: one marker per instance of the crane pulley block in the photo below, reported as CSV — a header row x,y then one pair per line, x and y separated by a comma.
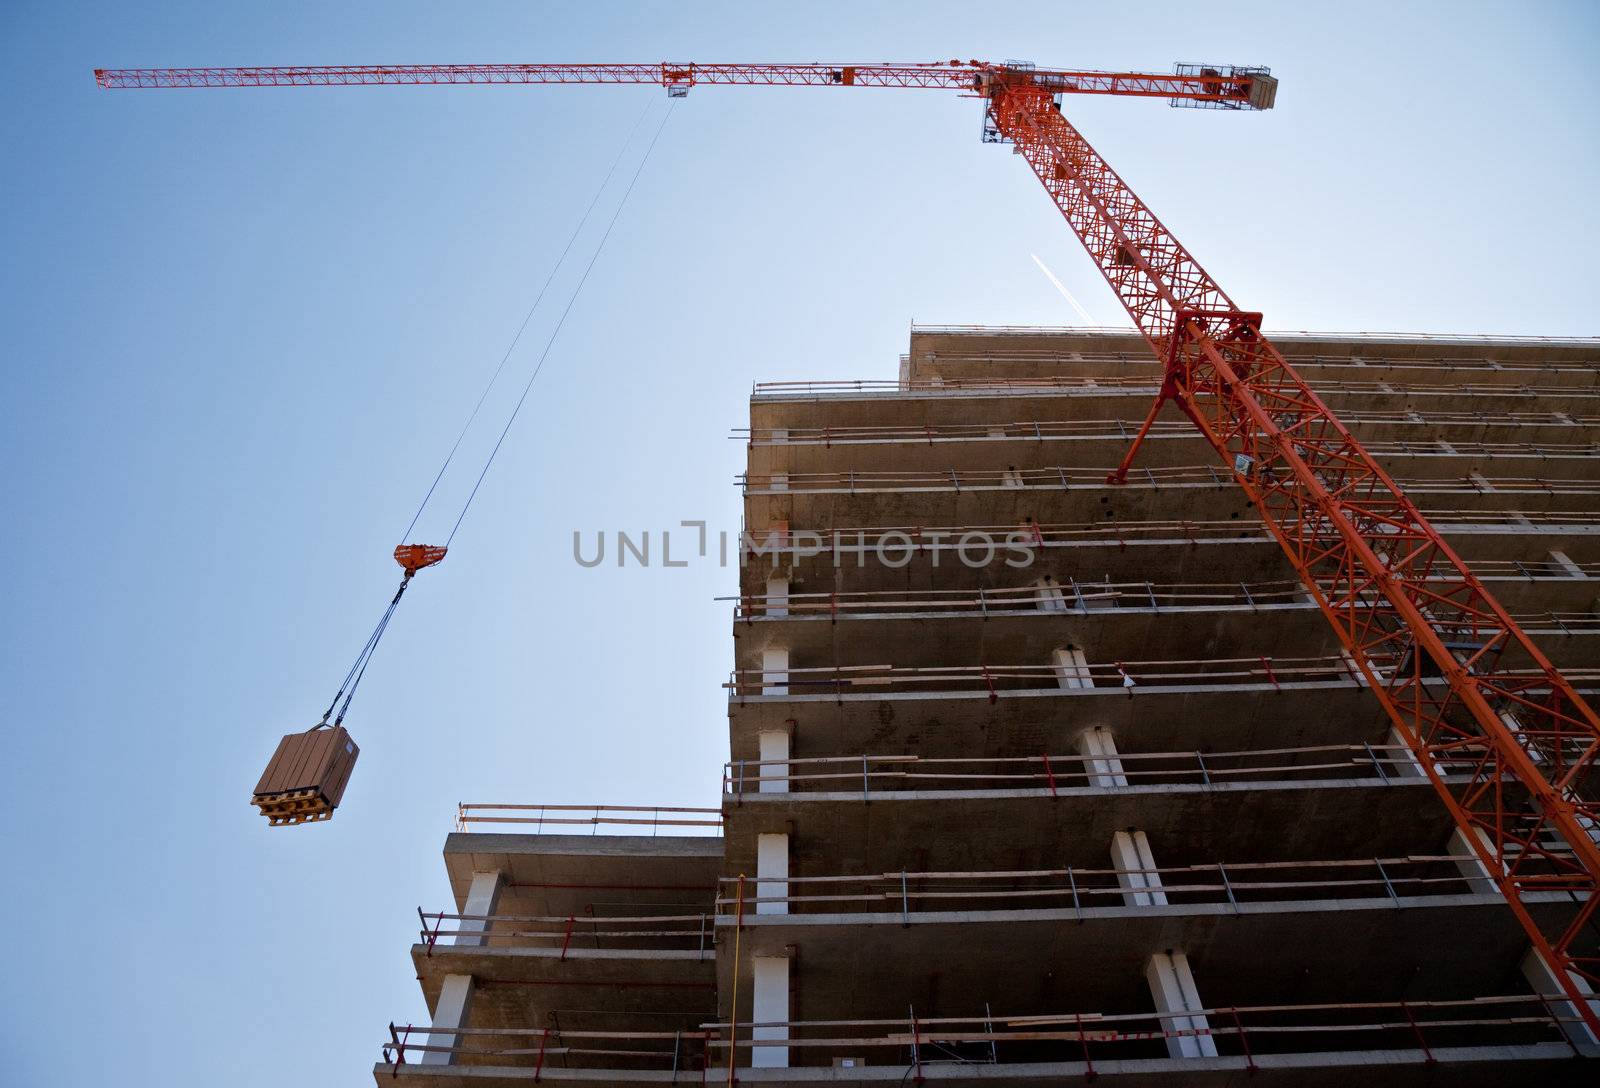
x,y
413,557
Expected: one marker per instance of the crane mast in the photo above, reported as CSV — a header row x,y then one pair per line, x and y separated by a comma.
x,y
1506,741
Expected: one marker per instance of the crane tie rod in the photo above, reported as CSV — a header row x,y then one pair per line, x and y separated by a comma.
x,y
414,557
555,332
516,339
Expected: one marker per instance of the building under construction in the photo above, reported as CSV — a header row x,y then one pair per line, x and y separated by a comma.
x,y
1036,776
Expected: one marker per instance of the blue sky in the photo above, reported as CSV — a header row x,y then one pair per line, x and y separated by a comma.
x,y
241,327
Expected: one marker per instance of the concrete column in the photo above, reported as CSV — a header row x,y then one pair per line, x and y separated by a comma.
x,y
1543,981
482,896
778,481
775,671
777,603
769,1003
1402,763
1172,986
1050,596
1479,877
774,777
778,434
1563,563
1130,854
1011,477
1480,481
772,873
1102,766
449,1015
1072,668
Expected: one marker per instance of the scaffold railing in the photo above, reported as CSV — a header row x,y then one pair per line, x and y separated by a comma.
x,y
1147,383
1053,774
1409,1030
1072,596
1064,477
922,539
1486,339
1278,673
1366,360
1118,429
570,933
1233,885
594,817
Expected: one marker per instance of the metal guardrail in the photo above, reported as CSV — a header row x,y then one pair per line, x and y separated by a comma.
x,y
1231,884
1487,339
591,816
868,775
929,538
1078,598
682,931
1080,1037
1061,477
1149,383
1276,672
1118,429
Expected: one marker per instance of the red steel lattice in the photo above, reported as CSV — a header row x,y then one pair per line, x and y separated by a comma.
x,y
1392,588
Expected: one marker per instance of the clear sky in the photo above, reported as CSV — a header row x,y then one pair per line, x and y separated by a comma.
x,y
241,327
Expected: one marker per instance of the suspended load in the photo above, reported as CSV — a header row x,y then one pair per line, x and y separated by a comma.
x,y
307,775
308,772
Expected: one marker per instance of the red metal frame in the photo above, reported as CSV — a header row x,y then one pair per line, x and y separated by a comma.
x,y
971,76
1462,683
1385,578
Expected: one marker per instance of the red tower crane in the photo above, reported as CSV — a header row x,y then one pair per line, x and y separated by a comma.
x,y
1507,742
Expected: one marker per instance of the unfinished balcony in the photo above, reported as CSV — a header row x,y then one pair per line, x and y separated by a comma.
x,y
1227,545
1064,494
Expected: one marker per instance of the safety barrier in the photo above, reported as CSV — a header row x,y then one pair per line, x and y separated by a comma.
x,y
1063,477
1075,596
1042,430
1149,383
632,932
1411,1030
868,775
598,816
1231,884
1133,676
1288,335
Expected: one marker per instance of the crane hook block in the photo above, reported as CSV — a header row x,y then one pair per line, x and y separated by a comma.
x,y
413,557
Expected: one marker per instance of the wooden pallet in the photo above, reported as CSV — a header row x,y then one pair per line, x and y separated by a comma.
x,y
293,807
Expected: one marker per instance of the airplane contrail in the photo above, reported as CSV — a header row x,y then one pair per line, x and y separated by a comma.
x,y
1051,276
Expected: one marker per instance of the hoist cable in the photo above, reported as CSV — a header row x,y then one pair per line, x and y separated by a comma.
x,y
550,342
372,646
347,689
358,670
495,377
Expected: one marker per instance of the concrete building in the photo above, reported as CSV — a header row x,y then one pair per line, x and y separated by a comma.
x,y
1034,778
